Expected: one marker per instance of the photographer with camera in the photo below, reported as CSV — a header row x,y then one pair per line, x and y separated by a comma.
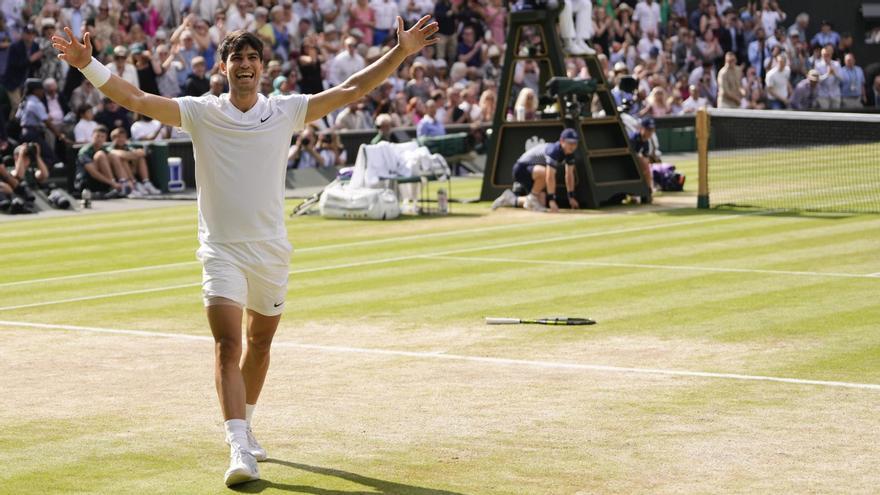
x,y
34,119
303,153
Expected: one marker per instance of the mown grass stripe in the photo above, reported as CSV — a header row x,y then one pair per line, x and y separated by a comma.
x,y
455,357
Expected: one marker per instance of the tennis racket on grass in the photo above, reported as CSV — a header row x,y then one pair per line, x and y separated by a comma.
x,y
541,321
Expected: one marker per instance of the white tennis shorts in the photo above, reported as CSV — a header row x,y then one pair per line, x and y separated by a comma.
x,y
252,274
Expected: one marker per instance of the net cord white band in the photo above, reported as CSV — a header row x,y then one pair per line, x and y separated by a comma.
x,y
96,73
793,115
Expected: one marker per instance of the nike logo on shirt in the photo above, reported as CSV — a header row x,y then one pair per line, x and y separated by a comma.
x,y
279,304
267,118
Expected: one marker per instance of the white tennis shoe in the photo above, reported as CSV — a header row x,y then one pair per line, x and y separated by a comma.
x,y
534,204
507,198
254,447
242,467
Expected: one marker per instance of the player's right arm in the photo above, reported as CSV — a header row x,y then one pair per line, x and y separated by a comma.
x,y
79,55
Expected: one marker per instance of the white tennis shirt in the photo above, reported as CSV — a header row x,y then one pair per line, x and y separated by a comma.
x,y
241,163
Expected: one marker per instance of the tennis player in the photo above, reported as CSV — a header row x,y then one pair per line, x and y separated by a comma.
x,y
240,143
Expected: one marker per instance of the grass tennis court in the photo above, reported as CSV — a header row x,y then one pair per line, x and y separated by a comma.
x,y
736,352
842,178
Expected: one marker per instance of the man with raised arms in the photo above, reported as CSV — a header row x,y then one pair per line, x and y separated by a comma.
x,y
240,142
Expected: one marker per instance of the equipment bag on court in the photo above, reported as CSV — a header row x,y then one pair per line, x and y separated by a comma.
x,y
666,177
340,201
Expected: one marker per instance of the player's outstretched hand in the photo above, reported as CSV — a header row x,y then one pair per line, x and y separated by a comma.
x,y
416,37
72,51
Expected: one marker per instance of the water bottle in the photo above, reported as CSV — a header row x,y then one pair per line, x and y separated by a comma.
x,y
442,202
86,198
175,174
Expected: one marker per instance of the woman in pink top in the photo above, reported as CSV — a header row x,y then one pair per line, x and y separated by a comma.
x,y
362,17
495,15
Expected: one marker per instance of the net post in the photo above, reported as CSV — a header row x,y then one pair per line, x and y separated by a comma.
x,y
702,131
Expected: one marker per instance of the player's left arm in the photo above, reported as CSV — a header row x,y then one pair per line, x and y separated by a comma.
x,y
367,79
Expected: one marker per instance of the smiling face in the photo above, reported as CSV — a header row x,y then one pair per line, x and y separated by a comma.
x,y
243,68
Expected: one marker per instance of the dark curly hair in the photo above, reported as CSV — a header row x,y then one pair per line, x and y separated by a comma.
x,y
236,41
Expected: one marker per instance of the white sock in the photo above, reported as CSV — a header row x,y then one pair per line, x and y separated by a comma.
x,y
236,432
249,412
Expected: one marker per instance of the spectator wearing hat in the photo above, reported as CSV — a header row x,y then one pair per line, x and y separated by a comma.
x,y
50,65
419,85
148,69
384,126
645,147
197,82
23,61
806,94
534,175
852,83
346,63
492,67
826,36
121,66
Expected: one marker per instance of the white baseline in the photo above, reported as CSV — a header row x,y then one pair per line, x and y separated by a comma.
x,y
464,358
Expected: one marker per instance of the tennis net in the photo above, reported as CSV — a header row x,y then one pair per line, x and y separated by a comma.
x,y
809,161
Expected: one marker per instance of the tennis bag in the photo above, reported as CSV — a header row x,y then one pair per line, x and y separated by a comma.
x,y
666,177
340,201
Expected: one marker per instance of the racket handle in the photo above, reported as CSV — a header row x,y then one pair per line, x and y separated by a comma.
x,y
502,321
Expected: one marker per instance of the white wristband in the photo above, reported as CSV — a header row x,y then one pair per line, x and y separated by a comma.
x,y
96,73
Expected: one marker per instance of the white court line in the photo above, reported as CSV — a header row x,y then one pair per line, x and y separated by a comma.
x,y
305,250
873,274
460,357
403,258
652,266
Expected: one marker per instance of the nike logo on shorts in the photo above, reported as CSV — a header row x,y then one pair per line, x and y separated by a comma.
x,y
267,118
279,304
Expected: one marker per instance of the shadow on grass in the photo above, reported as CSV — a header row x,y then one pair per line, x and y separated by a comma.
x,y
372,486
757,212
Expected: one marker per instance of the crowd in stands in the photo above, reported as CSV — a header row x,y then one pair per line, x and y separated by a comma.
x,y
743,54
